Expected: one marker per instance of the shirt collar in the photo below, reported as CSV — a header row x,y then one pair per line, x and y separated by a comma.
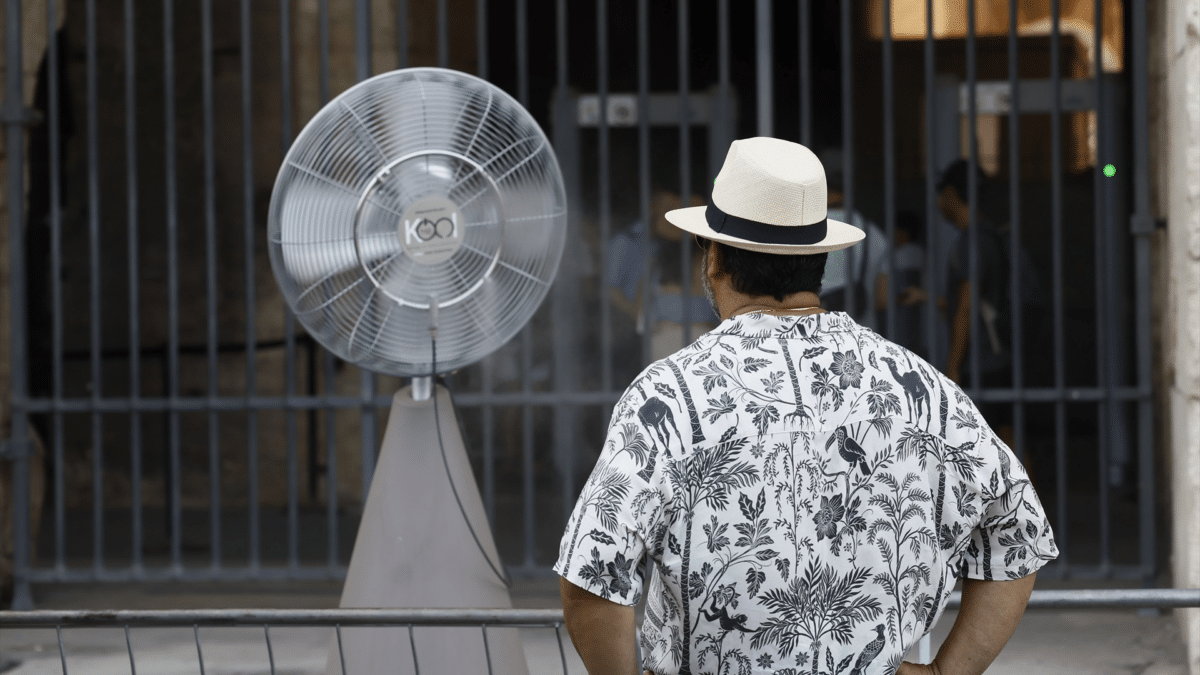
x,y
810,325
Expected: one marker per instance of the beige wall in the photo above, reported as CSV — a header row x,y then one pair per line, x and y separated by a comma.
x,y
1177,165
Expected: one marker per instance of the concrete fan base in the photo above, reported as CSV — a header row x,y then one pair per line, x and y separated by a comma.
x,y
413,549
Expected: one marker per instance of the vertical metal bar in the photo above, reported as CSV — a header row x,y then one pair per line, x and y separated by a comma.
x,y
293,479
604,196
443,39
560,30
210,281
723,85
174,516
337,627
1143,319
129,648
972,232
362,40
248,234
481,38
848,147
270,650
323,38
564,375
932,221
805,74
15,140
289,319
488,365
135,340
487,650
1060,422
1103,380
56,288
366,389
489,443
685,166
923,648
523,52
62,652
199,651
412,644
1014,270
527,447
643,38
764,78
562,653
94,303
331,468
402,32
526,334
889,174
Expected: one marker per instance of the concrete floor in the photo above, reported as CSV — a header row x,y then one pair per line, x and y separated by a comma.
x,y
1062,642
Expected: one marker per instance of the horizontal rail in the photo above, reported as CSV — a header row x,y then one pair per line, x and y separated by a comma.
x,y
285,617
468,400
1057,599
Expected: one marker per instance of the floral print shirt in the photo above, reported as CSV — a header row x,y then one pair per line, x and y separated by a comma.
x,y
805,493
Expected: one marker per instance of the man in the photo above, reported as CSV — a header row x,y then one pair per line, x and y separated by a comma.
x,y
804,490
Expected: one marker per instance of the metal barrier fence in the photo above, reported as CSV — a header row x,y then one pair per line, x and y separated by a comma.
x,y
483,618
628,116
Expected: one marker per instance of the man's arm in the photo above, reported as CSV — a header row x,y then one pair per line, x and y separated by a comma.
x,y
988,616
960,333
603,631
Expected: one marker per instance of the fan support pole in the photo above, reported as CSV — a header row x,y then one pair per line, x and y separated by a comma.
x,y
414,550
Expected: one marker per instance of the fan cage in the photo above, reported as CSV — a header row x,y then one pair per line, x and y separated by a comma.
x,y
356,275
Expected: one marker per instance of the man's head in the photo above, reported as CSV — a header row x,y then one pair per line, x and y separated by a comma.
x,y
756,274
954,189
767,222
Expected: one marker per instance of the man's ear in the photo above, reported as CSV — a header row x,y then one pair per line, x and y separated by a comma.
x,y
712,260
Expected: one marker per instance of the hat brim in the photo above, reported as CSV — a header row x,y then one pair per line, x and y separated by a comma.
x,y
838,235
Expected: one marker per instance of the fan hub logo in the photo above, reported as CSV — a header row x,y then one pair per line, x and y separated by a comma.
x,y
431,230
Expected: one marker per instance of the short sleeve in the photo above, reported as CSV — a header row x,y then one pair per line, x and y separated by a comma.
x,y
610,528
1013,538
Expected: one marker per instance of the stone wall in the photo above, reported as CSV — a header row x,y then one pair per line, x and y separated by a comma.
x,y
1178,33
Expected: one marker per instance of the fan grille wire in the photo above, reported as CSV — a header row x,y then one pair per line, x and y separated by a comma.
x,y
336,239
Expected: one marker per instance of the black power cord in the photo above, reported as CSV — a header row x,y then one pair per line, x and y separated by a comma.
x,y
442,446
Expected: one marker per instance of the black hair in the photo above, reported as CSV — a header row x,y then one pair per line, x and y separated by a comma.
x,y
957,176
757,274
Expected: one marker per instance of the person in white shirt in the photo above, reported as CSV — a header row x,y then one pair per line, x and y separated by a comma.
x,y
806,491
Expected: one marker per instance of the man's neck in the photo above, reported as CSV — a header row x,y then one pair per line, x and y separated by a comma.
x,y
731,303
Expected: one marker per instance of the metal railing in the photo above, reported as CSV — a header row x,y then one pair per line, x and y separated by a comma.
x,y
408,619
554,403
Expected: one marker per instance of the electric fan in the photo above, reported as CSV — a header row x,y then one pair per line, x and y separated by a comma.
x,y
415,226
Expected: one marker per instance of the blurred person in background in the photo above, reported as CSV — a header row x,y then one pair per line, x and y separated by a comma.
x,y
658,305
868,260
909,258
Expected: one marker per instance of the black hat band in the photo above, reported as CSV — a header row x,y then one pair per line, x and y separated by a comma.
x,y
762,233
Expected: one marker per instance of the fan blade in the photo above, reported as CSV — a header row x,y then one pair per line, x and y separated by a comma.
x,y
312,261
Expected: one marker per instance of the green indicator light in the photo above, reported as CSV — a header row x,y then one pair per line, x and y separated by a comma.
x,y
1110,170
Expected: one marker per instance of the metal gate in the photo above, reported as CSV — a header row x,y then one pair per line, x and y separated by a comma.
x,y
191,433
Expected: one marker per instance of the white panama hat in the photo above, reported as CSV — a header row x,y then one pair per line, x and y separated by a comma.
x,y
771,197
